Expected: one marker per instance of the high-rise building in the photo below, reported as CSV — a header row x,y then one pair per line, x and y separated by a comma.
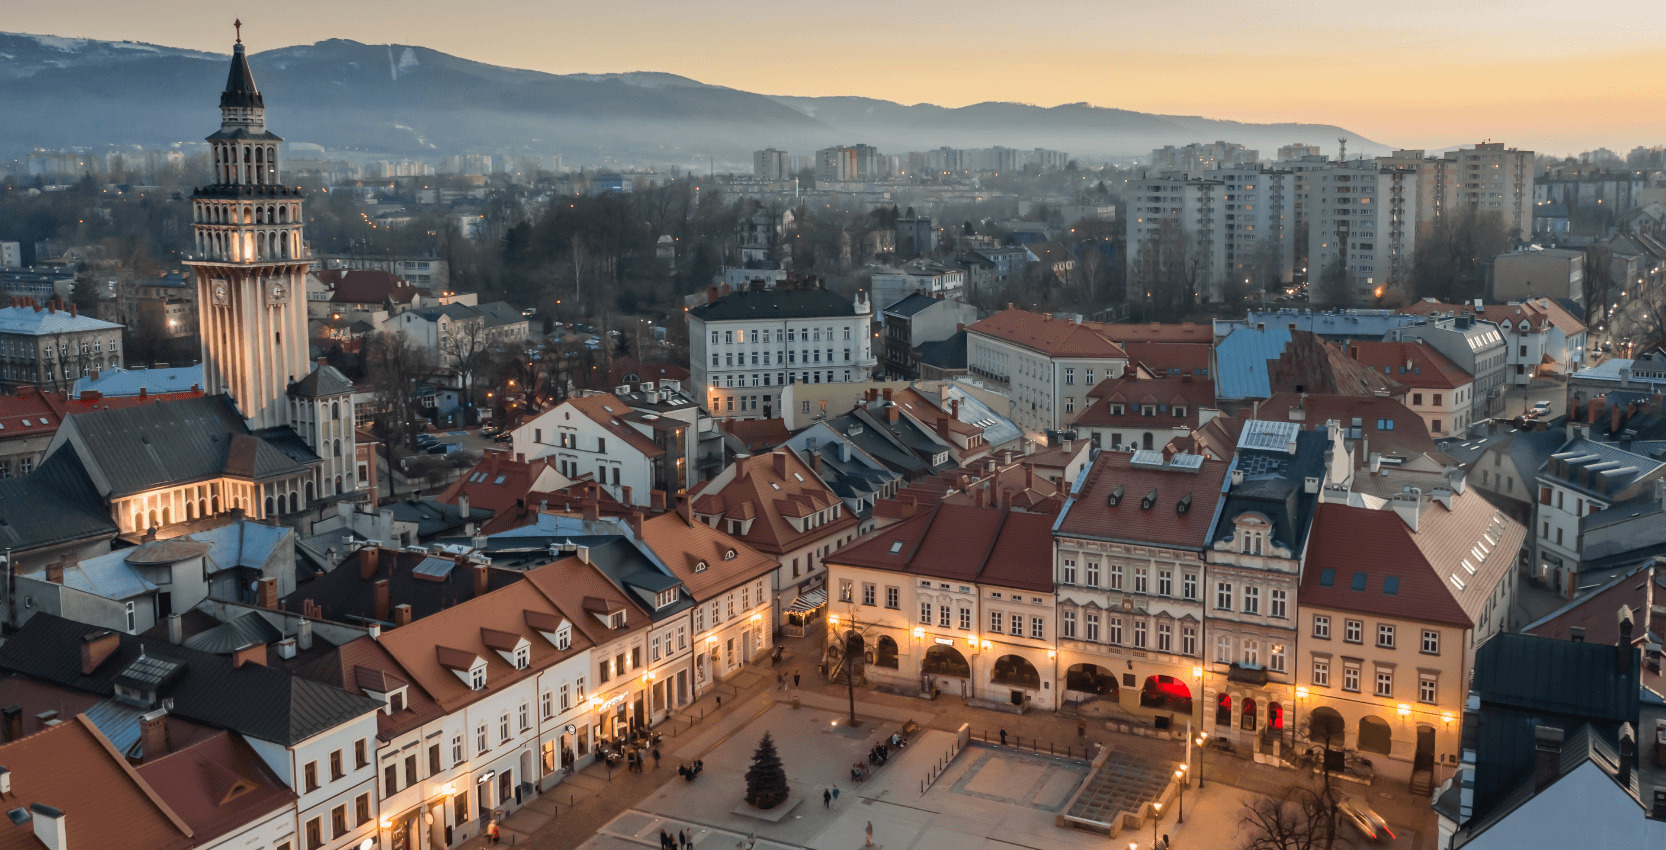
x,y
1175,220
1258,225
771,165
1365,213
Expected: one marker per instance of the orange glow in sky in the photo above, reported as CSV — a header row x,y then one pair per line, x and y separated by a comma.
x,y
1555,77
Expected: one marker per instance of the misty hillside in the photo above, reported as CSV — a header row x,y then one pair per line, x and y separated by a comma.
x,y
398,100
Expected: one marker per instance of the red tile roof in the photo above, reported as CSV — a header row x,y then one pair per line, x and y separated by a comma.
x,y
1537,312
708,561
217,785
1410,364
500,484
1189,358
106,804
1054,337
1312,365
364,665
768,489
962,543
1168,392
1378,545
625,367
1408,437
759,435
366,286
1090,513
1158,332
606,410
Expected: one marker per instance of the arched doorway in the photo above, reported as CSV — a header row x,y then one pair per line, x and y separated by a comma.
x,y
885,652
270,506
1375,736
1015,671
1248,717
1326,727
944,660
1223,711
1275,717
1091,679
1167,693
310,493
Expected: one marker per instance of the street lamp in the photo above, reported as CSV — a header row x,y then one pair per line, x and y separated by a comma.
x,y
1156,814
1180,786
1202,736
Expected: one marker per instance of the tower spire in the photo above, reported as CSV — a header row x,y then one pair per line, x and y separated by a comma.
x,y
238,24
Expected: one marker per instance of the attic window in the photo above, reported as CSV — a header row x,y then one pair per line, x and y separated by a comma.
x,y
501,479
616,620
729,555
1467,567
1184,505
896,546
1149,500
775,485
523,657
700,566
477,678
665,597
1327,578
564,638
396,701
799,477
1457,582
1359,581
1391,585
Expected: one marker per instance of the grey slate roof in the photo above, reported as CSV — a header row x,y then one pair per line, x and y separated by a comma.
x,y
57,503
32,321
432,516
947,353
498,314
128,382
253,700
1523,681
323,380
226,638
133,449
241,92
775,304
914,303
1273,486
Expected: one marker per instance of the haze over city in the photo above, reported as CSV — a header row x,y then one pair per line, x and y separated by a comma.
x,y
1555,76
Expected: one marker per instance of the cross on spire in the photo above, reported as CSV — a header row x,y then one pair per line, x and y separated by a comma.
x,y
239,25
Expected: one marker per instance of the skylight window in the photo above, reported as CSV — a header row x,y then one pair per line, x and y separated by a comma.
x,y
896,546
501,479
799,477
1391,585
775,485
1467,568
1457,582
1327,578
1359,581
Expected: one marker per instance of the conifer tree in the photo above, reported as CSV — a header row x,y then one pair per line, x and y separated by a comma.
x,y
766,779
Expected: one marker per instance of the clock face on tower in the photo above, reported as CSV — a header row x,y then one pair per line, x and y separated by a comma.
x,y
220,291
277,293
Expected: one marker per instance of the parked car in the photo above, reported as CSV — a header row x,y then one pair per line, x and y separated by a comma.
x,y
1366,821
505,437
1540,408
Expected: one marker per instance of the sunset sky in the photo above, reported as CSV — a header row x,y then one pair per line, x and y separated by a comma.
x,y
1556,77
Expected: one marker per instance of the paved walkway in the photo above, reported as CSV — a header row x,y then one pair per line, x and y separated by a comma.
x,y
614,810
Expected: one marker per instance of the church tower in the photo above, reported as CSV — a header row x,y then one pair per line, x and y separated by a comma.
x,y
250,261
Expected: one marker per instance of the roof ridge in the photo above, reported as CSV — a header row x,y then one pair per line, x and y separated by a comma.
x,y
134,777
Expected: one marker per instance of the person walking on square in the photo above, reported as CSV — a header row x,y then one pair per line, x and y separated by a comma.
x,y
656,758
1003,737
835,796
795,679
826,799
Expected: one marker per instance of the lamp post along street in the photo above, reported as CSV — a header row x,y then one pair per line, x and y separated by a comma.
x,y
1156,814
1200,740
1180,786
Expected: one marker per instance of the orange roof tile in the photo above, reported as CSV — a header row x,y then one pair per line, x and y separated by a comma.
x,y
1054,337
1179,516
708,561
1159,332
606,410
217,785
771,488
1410,364
962,543
106,803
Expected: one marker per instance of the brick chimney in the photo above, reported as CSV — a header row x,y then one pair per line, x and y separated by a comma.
x,y
95,647
11,722
891,412
625,494
635,521
778,460
954,408
480,579
266,593
463,507
943,428
255,654
55,572
589,509
153,734
370,560
401,615
656,501
382,600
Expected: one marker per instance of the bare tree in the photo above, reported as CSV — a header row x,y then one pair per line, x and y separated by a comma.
x,y
463,343
1598,279
1335,286
849,644
393,367
1300,819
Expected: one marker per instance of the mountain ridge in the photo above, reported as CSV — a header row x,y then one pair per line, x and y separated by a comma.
x,y
408,100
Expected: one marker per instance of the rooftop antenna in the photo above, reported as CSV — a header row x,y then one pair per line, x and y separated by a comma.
x,y
1343,155
238,24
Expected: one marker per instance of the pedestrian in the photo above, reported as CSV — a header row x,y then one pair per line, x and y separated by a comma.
x,y
826,799
795,679
835,796
664,839
682,839
719,700
492,832
1003,737
1166,844
1081,727
656,758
